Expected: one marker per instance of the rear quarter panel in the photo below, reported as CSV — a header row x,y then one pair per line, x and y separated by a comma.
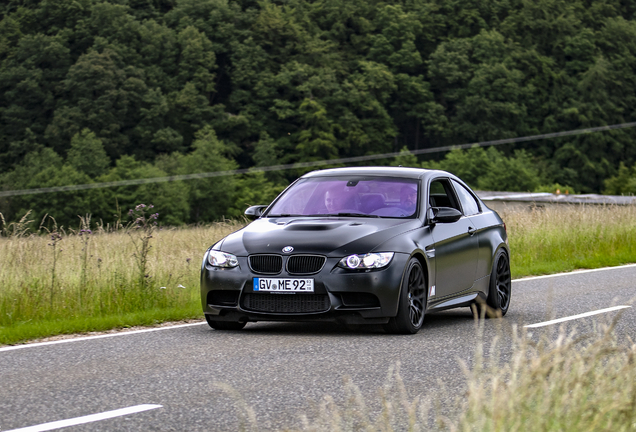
x,y
492,236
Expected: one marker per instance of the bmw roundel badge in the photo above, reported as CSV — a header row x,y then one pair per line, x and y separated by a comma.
x,y
288,249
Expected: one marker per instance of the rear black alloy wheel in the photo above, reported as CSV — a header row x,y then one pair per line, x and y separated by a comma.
x,y
412,302
500,284
224,325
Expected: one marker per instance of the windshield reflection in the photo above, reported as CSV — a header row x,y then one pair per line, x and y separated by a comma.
x,y
351,197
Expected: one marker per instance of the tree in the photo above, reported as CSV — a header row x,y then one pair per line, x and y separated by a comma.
x,y
405,159
210,198
169,198
99,95
87,154
44,168
266,154
623,183
28,90
316,140
491,170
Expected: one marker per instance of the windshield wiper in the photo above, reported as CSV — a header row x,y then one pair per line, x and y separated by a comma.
x,y
324,215
284,215
357,215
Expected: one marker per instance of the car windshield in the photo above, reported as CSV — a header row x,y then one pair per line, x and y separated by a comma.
x,y
349,196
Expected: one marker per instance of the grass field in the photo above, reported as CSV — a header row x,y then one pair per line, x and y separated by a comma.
x,y
93,281
93,278
559,239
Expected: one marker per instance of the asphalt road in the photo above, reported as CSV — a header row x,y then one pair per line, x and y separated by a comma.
x,y
279,370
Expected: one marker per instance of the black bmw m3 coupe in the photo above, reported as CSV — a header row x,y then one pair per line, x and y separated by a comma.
x,y
376,245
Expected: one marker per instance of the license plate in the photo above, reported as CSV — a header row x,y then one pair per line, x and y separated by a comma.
x,y
283,285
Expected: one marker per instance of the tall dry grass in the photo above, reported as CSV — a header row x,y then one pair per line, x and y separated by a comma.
x,y
63,274
564,238
564,382
69,273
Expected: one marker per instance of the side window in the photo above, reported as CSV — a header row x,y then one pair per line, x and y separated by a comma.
x,y
441,195
469,203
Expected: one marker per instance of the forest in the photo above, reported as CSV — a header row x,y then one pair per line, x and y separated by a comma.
x,y
101,91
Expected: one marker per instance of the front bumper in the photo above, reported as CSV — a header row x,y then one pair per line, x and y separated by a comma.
x,y
340,295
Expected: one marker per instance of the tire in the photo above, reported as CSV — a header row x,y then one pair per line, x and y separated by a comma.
x,y
224,325
412,301
498,300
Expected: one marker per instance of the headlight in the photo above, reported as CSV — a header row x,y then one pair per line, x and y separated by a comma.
x,y
368,261
222,259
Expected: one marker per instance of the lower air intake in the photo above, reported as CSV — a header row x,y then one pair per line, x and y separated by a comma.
x,y
286,303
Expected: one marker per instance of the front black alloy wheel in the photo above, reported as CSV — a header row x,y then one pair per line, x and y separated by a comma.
x,y
412,302
500,284
224,325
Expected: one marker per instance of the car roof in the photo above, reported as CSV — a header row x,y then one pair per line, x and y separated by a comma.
x,y
381,171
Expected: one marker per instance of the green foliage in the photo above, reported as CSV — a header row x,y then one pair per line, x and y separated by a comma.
x,y
515,173
211,197
87,154
253,189
491,170
623,183
45,168
285,82
405,159
556,188
168,198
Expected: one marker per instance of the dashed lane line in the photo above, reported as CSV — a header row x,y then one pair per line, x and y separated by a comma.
x,y
573,273
573,317
87,419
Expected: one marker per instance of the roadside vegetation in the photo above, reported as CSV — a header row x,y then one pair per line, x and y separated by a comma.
x,y
565,382
552,240
94,277
559,381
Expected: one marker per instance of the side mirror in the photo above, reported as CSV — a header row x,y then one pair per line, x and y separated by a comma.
x,y
444,215
254,212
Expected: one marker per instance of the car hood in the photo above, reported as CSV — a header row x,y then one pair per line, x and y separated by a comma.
x,y
325,236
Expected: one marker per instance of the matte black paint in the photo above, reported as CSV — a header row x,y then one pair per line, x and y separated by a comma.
x,y
456,257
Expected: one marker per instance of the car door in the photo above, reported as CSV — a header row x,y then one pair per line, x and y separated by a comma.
x,y
456,246
482,224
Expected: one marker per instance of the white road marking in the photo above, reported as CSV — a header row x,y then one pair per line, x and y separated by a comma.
x,y
572,273
573,317
87,419
123,333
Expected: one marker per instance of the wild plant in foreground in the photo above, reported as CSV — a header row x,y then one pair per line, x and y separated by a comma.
x,y
56,238
85,235
562,382
398,412
16,229
140,231
565,383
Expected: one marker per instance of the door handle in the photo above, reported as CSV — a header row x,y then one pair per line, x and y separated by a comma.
x,y
471,231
